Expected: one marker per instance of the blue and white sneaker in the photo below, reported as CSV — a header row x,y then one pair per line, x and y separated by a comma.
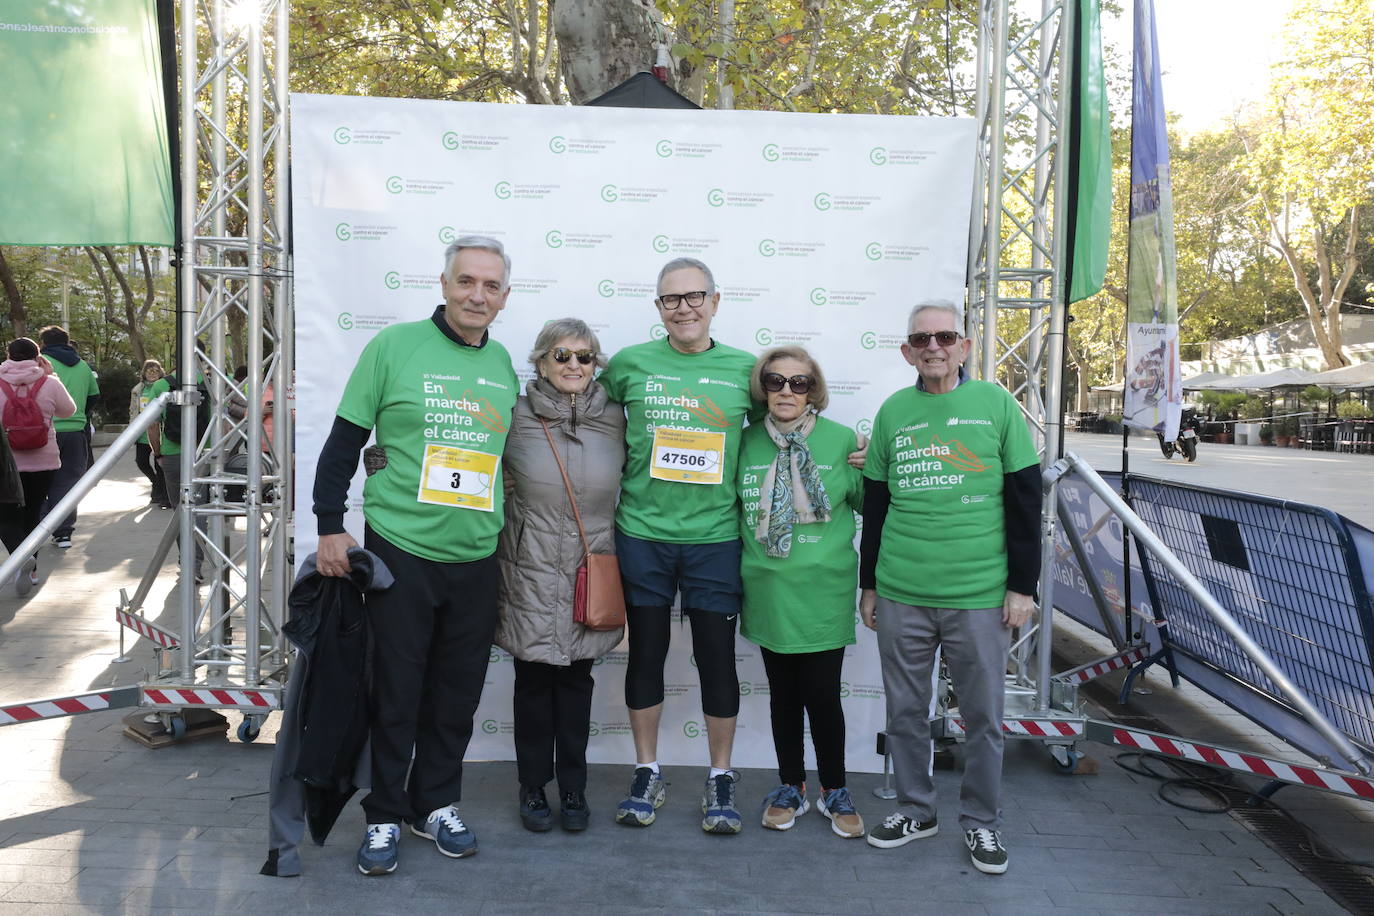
x,y
783,806
647,794
448,832
719,814
845,821
377,855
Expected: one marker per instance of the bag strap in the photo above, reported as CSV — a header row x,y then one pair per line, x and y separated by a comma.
x,y
582,532
30,389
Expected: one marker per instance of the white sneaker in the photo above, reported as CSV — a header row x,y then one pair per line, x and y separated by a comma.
x,y
26,577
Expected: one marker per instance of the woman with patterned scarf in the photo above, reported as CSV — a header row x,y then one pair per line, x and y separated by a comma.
x,y
800,573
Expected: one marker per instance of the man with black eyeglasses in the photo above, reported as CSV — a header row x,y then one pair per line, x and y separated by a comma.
x,y
677,528
949,561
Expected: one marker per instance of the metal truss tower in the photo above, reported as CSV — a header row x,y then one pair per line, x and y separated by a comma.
x,y
1016,312
235,266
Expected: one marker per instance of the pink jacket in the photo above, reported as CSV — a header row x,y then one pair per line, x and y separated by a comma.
x,y
53,400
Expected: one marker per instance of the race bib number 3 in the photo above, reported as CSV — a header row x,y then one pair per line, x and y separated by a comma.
x,y
688,456
458,477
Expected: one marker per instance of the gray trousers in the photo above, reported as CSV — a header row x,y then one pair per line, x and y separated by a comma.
x,y
975,646
171,472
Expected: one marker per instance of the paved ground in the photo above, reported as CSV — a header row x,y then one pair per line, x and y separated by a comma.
x,y
92,822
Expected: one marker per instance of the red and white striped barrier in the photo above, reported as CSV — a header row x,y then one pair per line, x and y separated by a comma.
x,y
1026,728
213,697
1268,767
68,706
1084,673
147,629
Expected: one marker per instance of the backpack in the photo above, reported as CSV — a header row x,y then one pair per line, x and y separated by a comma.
x,y
23,419
171,417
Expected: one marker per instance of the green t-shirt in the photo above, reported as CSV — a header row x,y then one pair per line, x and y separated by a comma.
x,y
803,602
81,384
705,397
166,446
440,408
943,457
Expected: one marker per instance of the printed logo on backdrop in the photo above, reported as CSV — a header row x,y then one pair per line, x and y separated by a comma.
x,y
766,337
746,200
624,289
744,295
842,203
531,286
615,194
748,688
396,281
840,298
881,155
510,190
684,149
357,321
673,244
471,143
878,251
693,729
495,727
557,238
578,146
657,332
358,232
861,691
450,234
871,340
846,388
772,248
363,136
774,152
595,729
421,187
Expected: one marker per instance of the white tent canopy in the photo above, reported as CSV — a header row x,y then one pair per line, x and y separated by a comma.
x,y
1346,378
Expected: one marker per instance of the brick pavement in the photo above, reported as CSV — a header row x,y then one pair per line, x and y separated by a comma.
x,y
92,822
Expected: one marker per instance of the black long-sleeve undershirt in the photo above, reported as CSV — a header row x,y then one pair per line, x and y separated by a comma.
x,y
1021,497
338,463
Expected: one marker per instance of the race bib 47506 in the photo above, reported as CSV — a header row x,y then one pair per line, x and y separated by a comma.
x,y
688,455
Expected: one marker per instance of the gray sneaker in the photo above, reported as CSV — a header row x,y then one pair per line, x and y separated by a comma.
x,y
897,830
986,850
377,855
647,794
719,814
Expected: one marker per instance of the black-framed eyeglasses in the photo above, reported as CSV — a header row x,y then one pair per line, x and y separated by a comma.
x,y
670,301
920,340
773,381
563,354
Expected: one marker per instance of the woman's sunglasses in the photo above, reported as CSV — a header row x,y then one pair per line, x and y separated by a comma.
x,y
773,381
563,354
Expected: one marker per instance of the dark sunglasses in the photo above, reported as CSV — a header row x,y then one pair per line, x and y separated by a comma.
x,y
563,354
773,381
920,340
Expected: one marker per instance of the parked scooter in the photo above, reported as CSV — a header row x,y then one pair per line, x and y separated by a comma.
x,y
1186,443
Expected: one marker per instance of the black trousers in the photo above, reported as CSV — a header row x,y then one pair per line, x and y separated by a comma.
x,y
553,712
75,448
143,457
18,522
807,683
432,633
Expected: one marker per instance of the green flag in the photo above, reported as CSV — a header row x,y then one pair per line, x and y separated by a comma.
x,y
83,153
1089,145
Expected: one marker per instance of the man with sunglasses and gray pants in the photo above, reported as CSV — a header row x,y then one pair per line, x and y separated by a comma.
x,y
949,561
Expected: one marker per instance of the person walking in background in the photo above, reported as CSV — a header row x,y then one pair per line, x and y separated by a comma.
x,y
140,396
564,417
800,572
73,431
31,396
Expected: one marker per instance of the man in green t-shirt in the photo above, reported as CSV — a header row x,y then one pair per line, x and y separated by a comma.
x,y
677,528
73,433
949,561
439,394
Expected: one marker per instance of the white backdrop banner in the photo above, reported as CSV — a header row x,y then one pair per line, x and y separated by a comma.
x,y
822,230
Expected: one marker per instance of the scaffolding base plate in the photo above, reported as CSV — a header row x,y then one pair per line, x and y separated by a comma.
x,y
200,723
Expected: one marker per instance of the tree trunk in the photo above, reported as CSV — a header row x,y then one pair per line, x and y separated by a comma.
x,y
19,320
601,43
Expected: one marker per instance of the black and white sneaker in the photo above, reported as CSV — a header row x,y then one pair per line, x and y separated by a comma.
x,y
897,830
986,850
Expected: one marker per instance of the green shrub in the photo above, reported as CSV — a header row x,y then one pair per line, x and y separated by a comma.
x,y
1352,410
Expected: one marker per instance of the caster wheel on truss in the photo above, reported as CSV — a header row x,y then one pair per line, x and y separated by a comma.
x,y
248,729
1065,758
176,726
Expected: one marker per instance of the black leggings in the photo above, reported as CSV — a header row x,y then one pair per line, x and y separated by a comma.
x,y
713,646
18,522
809,682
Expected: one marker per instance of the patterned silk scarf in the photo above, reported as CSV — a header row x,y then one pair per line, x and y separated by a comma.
x,y
791,493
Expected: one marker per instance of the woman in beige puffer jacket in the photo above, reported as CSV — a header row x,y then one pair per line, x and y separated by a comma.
x,y
540,551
